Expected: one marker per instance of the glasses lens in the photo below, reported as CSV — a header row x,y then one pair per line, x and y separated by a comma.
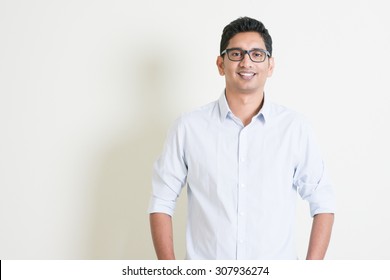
x,y
235,54
258,55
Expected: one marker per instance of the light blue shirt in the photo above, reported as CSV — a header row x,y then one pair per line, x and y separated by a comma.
x,y
242,180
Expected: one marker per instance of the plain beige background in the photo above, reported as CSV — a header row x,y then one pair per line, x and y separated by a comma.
x,y
89,88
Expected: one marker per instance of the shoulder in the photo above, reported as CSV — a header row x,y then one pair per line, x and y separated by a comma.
x,y
292,125
194,124
282,114
205,113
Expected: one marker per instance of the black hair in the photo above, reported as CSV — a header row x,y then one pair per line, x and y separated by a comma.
x,y
245,24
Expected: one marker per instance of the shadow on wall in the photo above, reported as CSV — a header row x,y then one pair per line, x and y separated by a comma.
x,y
120,223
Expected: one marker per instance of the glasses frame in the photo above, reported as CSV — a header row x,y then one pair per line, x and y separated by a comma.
x,y
226,51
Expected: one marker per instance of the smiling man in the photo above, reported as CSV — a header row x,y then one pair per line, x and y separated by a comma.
x,y
243,160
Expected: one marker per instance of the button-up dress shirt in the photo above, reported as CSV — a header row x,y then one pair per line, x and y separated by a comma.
x,y
242,181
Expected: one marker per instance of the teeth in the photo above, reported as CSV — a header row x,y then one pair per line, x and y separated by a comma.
x,y
247,74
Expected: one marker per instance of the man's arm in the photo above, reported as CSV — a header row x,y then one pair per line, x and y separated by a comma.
x,y
162,235
320,236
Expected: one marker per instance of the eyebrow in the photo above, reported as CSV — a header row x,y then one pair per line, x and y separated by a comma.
x,y
237,48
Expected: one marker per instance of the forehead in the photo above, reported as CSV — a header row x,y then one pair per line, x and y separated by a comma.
x,y
247,40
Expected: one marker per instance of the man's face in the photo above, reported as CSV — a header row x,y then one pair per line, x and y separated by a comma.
x,y
245,76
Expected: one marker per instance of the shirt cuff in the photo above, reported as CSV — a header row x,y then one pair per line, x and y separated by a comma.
x,y
158,205
322,201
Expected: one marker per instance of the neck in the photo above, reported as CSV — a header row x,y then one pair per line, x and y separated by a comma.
x,y
245,105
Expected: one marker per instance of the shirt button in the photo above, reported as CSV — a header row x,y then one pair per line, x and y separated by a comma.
x,y
242,186
242,213
242,159
241,241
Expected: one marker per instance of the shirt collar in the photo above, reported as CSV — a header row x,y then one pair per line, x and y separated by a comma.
x,y
265,109
224,109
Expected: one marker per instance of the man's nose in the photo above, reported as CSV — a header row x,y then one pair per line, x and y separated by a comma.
x,y
246,61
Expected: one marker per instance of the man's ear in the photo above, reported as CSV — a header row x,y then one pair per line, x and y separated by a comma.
x,y
271,66
221,68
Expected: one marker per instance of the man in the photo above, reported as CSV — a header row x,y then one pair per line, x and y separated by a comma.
x,y
243,160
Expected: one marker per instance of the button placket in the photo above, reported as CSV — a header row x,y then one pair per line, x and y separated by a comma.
x,y
241,191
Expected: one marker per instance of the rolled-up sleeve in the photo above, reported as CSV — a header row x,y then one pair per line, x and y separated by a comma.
x,y
311,178
169,172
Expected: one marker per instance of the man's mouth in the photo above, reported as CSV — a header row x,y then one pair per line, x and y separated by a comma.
x,y
246,75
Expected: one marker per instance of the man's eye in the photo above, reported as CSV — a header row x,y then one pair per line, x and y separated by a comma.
x,y
258,54
235,54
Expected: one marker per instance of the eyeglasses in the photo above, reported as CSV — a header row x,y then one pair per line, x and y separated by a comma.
x,y
237,54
